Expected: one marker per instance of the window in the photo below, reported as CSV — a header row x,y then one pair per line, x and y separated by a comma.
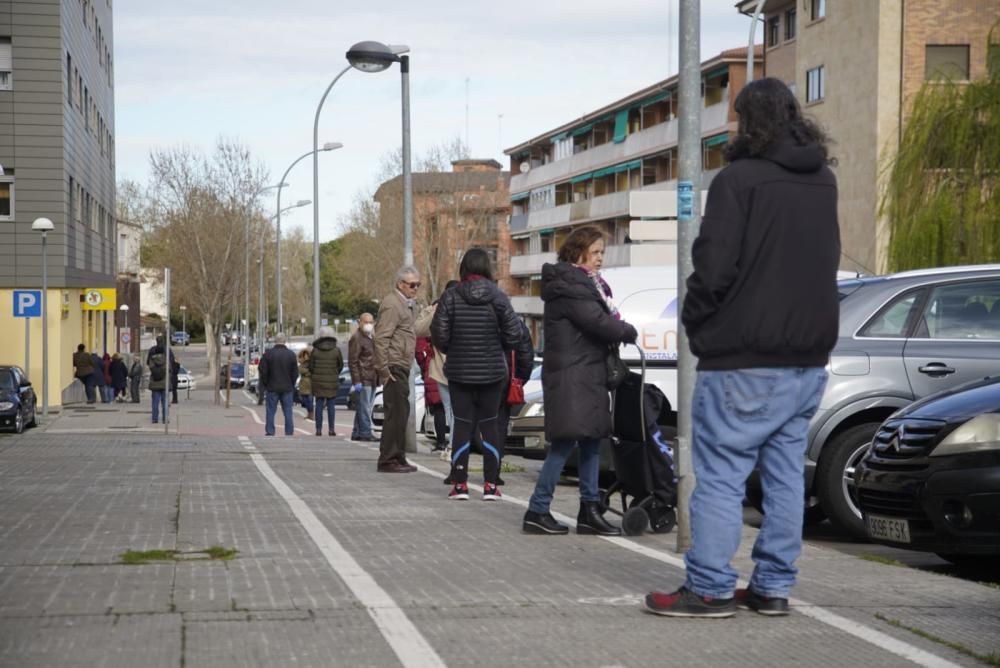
x,y
893,321
773,31
7,197
6,65
69,79
816,84
817,9
962,311
790,24
946,62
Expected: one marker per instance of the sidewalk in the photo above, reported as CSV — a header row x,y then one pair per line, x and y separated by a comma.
x,y
339,565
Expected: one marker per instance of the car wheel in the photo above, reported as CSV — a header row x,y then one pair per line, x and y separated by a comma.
x,y
835,477
33,422
18,423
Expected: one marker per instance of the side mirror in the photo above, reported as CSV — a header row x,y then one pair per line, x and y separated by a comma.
x,y
25,383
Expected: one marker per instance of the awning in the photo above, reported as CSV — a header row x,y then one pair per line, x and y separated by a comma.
x,y
546,232
582,177
559,137
583,130
718,72
717,139
665,95
516,197
607,171
621,126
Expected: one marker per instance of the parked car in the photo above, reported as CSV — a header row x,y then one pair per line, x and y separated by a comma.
x,y
185,380
180,338
526,429
902,337
931,479
378,407
236,376
344,395
17,399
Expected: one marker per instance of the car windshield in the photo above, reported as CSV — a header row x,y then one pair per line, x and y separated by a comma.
x,y
536,373
236,369
182,370
6,380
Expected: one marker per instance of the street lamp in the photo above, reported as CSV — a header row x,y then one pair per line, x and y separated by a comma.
x,y
247,253
124,311
367,57
329,146
44,225
261,304
184,316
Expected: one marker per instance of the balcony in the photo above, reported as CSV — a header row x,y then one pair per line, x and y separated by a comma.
x,y
528,305
518,223
529,265
714,119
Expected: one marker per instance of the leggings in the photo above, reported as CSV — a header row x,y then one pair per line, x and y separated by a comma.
x,y
475,408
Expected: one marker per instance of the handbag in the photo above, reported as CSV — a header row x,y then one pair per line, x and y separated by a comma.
x,y
618,371
515,393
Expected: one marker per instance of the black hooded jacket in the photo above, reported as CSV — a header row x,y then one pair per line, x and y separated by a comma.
x,y
764,288
475,326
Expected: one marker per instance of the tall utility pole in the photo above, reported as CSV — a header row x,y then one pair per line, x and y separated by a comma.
x,y
688,222
404,70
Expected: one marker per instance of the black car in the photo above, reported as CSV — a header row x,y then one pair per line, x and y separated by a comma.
x,y
930,480
237,375
17,399
344,395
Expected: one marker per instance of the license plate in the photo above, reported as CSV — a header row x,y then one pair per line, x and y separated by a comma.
x,y
888,528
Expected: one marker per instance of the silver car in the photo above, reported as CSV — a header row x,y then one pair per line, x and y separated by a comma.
x,y
902,337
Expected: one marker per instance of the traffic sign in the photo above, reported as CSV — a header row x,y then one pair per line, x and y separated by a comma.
x,y
126,337
27,303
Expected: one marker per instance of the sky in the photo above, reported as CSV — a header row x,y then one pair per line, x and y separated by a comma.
x,y
188,72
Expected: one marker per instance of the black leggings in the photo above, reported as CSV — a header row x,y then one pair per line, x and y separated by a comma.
x,y
475,408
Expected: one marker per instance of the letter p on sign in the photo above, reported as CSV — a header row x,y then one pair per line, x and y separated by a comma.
x,y
27,303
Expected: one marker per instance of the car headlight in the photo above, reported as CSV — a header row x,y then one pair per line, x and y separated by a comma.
x,y
535,410
980,434
6,405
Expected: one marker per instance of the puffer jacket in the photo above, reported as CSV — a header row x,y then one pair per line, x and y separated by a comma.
x,y
305,378
325,366
578,331
475,326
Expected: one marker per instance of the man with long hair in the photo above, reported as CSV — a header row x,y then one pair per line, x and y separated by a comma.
x,y
761,314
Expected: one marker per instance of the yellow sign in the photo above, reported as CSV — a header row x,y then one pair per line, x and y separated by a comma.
x,y
99,299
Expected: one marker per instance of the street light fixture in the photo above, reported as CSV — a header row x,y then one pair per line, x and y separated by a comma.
x,y
370,57
184,315
329,146
262,328
44,225
247,253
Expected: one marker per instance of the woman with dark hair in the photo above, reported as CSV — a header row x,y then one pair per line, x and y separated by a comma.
x,y
475,326
581,325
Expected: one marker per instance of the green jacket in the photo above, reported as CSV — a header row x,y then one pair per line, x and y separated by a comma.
x,y
325,366
305,379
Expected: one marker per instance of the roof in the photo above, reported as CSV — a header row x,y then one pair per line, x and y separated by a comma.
x,y
448,182
737,55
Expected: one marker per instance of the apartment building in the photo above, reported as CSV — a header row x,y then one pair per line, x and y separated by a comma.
x,y
57,149
583,171
855,65
452,212
128,284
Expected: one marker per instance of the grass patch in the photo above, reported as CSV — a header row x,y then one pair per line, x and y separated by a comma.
x,y
135,557
504,468
991,659
879,559
221,553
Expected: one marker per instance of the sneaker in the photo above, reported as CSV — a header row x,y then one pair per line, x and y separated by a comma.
x,y
748,599
445,455
459,492
543,524
491,492
685,603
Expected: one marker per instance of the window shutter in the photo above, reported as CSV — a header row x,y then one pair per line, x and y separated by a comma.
x,y
6,59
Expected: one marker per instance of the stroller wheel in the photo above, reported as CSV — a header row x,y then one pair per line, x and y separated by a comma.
x,y
635,521
664,521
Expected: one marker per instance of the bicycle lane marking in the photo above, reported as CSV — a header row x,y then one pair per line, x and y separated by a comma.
x,y
410,647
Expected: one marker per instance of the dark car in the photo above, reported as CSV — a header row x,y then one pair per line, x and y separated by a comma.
x,y
17,399
344,395
236,375
930,481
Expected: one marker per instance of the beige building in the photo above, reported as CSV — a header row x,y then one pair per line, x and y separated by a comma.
x,y
855,65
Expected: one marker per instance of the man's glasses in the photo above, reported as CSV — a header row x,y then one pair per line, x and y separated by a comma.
x,y
413,285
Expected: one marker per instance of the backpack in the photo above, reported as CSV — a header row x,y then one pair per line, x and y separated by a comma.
x,y
157,369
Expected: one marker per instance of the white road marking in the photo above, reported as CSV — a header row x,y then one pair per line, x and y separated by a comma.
x,y
411,648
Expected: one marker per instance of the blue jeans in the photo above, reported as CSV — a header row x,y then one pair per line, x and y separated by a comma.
x,y
559,452
449,413
286,399
363,413
331,412
159,404
307,401
741,419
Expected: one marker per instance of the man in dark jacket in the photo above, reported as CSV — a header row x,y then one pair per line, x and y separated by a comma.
x,y
325,365
83,369
99,377
279,369
135,378
361,361
761,313
159,371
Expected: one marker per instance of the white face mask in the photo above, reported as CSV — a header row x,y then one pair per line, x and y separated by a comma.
x,y
367,328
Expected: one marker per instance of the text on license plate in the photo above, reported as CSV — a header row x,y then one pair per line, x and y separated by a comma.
x,y
888,528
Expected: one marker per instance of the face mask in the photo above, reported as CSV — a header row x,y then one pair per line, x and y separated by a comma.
x,y
368,328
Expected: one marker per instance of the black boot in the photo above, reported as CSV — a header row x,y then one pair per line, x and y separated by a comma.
x,y
590,520
542,523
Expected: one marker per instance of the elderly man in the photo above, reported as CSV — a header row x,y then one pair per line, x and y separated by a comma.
x,y
394,343
361,360
279,369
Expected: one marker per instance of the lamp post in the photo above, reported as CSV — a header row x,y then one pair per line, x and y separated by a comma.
x,y
124,311
262,303
184,318
44,225
329,146
247,253
368,57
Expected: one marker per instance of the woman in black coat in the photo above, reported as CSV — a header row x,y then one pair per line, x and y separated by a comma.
x,y
475,326
119,376
581,324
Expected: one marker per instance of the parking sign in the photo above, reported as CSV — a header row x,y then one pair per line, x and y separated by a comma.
x,y
27,303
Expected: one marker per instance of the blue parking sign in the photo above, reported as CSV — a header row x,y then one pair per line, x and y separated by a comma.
x,y
27,303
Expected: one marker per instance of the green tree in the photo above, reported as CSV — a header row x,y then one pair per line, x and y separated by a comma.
x,y
942,200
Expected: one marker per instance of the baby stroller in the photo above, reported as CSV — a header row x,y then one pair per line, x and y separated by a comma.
x,y
644,459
